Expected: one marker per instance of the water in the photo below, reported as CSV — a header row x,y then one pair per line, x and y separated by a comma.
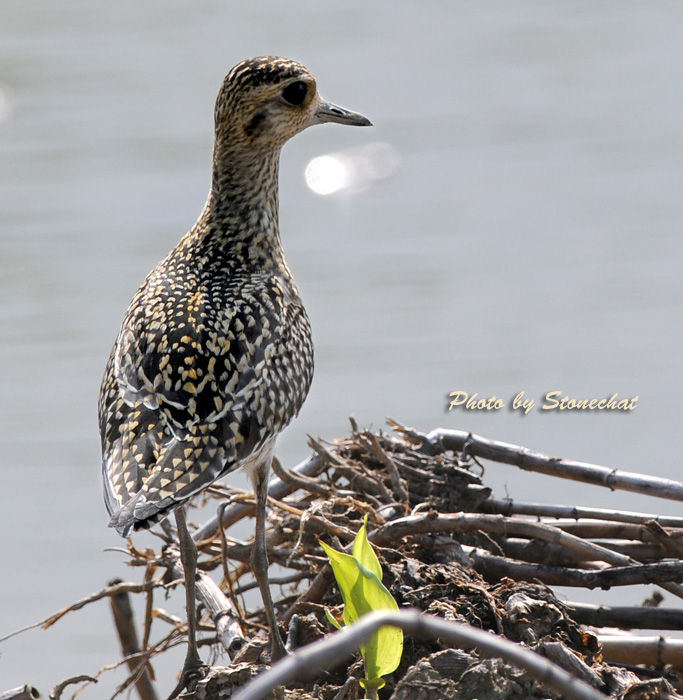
x,y
529,241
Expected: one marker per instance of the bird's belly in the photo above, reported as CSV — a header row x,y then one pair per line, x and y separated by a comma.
x,y
258,458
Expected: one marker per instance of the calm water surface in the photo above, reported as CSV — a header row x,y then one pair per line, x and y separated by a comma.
x,y
530,240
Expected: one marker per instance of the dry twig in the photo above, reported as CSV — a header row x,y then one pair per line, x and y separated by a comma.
x,y
530,460
125,627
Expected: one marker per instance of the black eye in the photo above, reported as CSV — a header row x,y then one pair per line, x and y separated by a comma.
x,y
295,93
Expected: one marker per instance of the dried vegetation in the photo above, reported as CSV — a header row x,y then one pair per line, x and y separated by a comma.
x,y
448,549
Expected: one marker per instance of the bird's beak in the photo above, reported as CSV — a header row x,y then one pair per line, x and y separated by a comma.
x,y
327,112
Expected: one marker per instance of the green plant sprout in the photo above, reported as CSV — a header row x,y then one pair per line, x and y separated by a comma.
x,y
359,577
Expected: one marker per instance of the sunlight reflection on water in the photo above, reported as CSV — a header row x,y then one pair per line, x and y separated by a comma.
x,y
355,169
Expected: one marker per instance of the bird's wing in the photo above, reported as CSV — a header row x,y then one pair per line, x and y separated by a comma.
x,y
184,402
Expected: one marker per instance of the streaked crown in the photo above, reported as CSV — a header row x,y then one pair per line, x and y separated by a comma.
x,y
267,100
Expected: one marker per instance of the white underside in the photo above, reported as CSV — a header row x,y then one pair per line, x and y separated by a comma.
x,y
259,461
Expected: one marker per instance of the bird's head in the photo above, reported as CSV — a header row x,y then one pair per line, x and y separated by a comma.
x,y
264,101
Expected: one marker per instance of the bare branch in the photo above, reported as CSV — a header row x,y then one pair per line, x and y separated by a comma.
x,y
470,522
125,627
104,593
652,651
384,458
225,616
627,617
298,481
25,692
530,460
508,506
494,567
56,692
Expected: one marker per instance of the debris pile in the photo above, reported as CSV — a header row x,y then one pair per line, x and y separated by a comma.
x,y
449,549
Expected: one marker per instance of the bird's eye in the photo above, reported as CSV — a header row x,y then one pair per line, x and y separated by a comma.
x,y
295,93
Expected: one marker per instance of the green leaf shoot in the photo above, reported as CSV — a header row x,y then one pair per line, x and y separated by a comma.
x,y
359,577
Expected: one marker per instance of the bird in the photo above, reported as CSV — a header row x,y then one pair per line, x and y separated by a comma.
x,y
214,357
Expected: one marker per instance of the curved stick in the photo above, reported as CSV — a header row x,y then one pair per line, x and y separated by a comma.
x,y
337,647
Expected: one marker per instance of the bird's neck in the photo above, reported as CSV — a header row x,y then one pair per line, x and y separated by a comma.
x,y
240,219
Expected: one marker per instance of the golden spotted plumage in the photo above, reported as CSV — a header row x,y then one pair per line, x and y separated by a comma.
x,y
214,357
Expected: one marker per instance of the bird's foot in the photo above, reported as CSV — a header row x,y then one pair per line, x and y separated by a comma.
x,y
277,648
194,669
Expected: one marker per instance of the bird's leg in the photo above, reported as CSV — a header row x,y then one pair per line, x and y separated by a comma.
x,y
259,561
188,558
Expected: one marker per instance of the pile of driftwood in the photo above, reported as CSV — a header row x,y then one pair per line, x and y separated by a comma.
x,y
462,564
